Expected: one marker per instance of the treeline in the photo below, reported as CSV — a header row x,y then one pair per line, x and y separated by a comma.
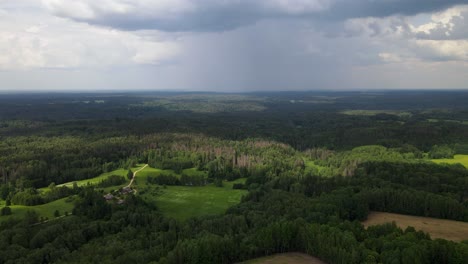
x,y
412,202
450,180
183,180
34,162
423,189
303,124
176,161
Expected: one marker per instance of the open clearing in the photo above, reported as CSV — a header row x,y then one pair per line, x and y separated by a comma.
x,y
213,194
43,210
286,258
462,159
183,202
437,228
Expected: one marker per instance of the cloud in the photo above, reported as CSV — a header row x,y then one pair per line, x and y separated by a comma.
x,y
221,15
440,36
344,9
390,57
34,40
232,45
444,50
450,24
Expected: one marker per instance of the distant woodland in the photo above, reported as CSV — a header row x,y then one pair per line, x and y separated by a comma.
x,y
311,166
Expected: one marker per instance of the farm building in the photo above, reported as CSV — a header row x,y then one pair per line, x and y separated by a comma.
x,y
108,197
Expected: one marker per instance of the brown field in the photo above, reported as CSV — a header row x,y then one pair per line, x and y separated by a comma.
x,y
287,258
437,228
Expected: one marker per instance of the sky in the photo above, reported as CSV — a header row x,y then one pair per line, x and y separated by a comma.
x,y
233,45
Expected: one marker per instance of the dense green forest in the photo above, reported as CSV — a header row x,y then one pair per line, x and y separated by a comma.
x,y
311,166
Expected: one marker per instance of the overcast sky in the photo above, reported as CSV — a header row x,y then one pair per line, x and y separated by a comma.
x,y
233,45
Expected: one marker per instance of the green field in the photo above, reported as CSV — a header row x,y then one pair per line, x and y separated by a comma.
x,y
44,210
462,159
183,202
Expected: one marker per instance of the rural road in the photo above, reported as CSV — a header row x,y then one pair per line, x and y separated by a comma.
x,y
134,175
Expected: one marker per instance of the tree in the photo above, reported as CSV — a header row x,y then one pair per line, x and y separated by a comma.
x,y
441,152
31,217
5,211
4,191
219,183
56,213
129,174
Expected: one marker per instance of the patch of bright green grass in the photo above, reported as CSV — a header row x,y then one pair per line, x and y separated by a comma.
x,y
44,210
462,159
183,202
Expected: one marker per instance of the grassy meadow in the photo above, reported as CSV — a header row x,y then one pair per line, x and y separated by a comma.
x,y
462,159
183,202
43,210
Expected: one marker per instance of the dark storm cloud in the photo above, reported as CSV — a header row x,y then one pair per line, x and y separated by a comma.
x,y
344,9
211,15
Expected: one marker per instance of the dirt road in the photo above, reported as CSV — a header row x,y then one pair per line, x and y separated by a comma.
x,y
134,175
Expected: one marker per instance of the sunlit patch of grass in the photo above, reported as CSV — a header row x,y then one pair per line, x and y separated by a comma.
x,y
462,159
43,210
183,202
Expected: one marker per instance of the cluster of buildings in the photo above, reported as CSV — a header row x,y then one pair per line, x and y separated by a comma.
x,y
118,197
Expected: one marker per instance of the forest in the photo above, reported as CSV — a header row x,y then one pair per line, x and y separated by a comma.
x,y
230,177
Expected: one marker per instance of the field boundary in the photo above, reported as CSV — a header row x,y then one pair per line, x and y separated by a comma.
x,y
456,231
